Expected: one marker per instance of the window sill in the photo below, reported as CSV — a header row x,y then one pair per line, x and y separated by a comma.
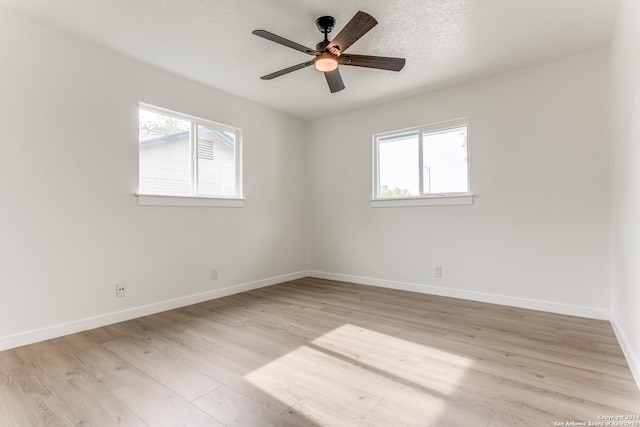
x,y
443,200
156,200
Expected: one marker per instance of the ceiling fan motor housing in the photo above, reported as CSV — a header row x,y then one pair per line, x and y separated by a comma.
x,y
322,46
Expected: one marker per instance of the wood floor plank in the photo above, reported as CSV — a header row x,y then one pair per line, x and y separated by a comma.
x,y
24,398
86,402
314,410
179,377
233,409
109,369
410,409
49,388
292,369
269,390
159,406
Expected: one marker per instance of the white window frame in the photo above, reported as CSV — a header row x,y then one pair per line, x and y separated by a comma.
x,y
194,199
424,199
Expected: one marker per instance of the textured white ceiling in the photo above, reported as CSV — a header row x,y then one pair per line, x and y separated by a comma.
x,y
444,41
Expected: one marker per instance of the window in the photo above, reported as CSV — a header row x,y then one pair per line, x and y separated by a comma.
x,y
183,156
420,163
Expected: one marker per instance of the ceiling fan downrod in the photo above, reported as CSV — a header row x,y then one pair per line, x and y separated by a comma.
x,y
325,25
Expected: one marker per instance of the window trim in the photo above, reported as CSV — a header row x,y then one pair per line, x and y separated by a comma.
x,y
424,199
195,199
158,200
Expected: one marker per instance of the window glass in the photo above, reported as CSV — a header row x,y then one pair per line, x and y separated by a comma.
x,y
421,162
216,162
181,155
165,155
399,173
444,161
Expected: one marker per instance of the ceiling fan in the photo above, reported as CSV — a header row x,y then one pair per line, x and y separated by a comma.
x,y
329,54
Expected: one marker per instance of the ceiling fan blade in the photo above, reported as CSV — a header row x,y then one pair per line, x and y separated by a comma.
x,y
379,62
281,40
334,79
287,70
359,25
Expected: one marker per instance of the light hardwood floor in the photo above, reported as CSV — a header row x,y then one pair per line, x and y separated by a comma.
x,y
320,353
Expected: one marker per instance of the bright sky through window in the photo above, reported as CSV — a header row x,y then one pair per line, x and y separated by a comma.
x,y
430,160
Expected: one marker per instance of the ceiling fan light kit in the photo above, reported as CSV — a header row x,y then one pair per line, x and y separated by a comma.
x,y
329,54
326,62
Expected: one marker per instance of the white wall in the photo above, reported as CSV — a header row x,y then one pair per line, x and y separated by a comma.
x,y
537,234
625,182
70,228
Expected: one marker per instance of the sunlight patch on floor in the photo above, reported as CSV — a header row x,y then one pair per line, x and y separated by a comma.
x,y
355,371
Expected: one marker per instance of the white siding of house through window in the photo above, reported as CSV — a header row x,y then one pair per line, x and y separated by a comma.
x,y
165,165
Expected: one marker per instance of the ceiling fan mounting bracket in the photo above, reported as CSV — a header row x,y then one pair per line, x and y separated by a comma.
x,y
325,24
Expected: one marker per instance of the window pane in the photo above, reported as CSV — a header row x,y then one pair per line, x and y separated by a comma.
x,y
165,155
216,162
398,157
445,161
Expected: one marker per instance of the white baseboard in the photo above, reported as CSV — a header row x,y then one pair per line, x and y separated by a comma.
x,y
632,358
37,335
32,336
548,306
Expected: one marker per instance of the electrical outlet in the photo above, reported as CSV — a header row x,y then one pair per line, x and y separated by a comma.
x,y
121,290
214,274
438,271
